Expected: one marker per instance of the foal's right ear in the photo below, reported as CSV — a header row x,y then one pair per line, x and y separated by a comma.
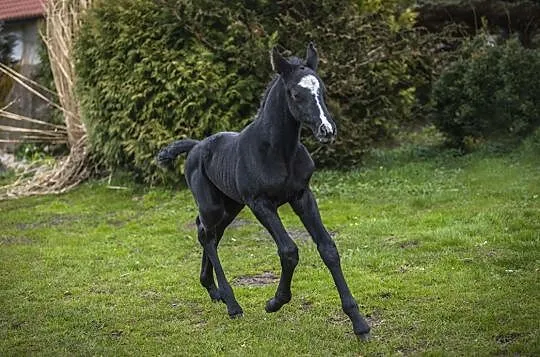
x,y
279,63
312,57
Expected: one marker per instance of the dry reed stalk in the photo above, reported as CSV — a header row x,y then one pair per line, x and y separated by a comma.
x,y
62,24
16,75
50,130
17,117
63,176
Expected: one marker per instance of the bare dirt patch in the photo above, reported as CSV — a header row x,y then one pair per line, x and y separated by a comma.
x,y
265,278
52,221
403,244
299,235
12,240
408,244
507,338
306,305
237,223
374,318
338,318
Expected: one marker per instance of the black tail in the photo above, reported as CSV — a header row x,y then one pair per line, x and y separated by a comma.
x,y
168,154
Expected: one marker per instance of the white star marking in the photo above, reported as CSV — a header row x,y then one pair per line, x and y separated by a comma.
x,y
312,83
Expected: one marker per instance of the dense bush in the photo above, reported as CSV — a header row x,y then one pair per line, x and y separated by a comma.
x,y
146,78
367,55
492,92
152,71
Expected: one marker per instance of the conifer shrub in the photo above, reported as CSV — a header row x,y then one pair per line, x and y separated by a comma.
x,y
154,71
491,93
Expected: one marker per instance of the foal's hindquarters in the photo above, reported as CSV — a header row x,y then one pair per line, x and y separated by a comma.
x,y
216,212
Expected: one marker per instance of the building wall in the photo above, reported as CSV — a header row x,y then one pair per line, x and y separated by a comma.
x,y
27,41
26,54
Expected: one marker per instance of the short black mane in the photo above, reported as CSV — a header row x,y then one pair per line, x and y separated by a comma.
x,y
265,95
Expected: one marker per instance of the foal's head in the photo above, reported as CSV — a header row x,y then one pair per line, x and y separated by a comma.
x,y
305,92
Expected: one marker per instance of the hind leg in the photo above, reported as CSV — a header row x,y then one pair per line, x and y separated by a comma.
x,y
209,240
214,216
207,274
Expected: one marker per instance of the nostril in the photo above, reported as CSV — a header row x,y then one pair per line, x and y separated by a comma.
x,y
326,131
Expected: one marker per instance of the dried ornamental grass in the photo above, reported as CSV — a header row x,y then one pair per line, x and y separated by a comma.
x,y
62,24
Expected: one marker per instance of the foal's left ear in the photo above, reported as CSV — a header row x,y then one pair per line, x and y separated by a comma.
x,y
312,58
279,63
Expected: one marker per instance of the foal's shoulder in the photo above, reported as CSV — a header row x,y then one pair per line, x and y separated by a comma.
x,y
303,159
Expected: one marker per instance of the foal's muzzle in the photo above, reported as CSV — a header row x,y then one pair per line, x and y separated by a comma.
x,y
325,134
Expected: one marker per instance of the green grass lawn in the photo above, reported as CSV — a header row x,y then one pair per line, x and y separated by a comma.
x,y
442,253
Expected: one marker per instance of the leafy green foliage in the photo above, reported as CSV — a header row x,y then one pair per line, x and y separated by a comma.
x,y
367,52
147,79
151,72
491,92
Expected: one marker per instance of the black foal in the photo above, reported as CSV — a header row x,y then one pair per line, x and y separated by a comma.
x,y
263,167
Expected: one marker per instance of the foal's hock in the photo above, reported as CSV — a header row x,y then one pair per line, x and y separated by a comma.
x,y
263,167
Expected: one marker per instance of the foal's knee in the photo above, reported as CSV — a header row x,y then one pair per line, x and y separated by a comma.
x,y
289,255
329,254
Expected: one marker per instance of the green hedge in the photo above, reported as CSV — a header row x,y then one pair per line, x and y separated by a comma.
x,y
492,92
153,71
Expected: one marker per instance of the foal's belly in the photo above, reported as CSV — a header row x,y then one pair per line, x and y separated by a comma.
x,y
275,180
247,174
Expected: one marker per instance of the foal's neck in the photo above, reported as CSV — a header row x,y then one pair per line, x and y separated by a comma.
x,y
278,129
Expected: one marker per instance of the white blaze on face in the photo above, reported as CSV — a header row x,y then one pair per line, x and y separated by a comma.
x,y
312,83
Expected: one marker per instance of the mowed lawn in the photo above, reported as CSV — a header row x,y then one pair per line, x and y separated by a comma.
x,y
442,253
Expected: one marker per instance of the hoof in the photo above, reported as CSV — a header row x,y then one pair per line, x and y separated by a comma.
x,y
236,315
273,305
365,337
236,312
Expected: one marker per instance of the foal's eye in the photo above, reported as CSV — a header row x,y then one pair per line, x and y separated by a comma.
x,y
294,95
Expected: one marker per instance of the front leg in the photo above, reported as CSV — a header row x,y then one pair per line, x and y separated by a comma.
x,y
306,208
266,213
